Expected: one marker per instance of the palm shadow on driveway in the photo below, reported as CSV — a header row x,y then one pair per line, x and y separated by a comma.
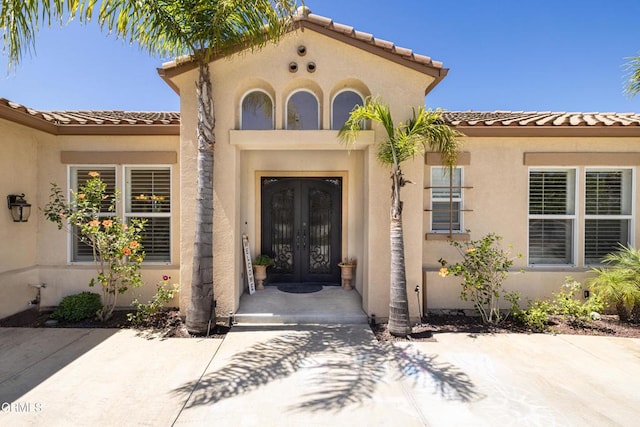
x,y
345,366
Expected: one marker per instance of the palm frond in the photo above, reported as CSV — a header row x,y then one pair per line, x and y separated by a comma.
x,y
425,129
20,21
633,79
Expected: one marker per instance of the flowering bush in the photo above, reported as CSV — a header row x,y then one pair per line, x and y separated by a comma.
x,y
146,313
117,252
483,268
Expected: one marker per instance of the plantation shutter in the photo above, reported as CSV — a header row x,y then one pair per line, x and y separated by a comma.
x,y
149,198
81,251
551,216
607,212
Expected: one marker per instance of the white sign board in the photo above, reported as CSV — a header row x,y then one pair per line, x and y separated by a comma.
x,y
249,266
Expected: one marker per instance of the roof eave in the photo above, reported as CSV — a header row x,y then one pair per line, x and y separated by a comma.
x,y
549,131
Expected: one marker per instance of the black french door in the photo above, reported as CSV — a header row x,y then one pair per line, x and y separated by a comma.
x,y
302,228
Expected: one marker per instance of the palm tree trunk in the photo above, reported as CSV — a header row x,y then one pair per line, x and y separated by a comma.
x,y
201,308
398,304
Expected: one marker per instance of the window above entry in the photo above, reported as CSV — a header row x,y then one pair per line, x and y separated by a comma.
x,y
257,111
303,111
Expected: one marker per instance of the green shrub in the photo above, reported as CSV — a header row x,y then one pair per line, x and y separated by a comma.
x,y
483,269
569,306
565,304
619,284
75,308
535,317
145,312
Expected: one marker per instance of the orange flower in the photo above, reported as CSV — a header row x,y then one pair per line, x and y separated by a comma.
x,y
126,251
444,271
134,244
93,174
81,196
471,250
125,226
107,223
94,223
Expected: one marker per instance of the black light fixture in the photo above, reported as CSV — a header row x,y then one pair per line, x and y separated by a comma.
x,y
20,209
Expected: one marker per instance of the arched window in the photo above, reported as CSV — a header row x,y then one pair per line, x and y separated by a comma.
x,y
257,111
303,111
343,103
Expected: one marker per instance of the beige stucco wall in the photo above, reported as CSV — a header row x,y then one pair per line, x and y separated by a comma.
x,y
339,66
18,257
37,252
63,277
499,202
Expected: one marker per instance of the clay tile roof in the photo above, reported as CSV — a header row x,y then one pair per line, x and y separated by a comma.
x,y
532,118
54,121
304,15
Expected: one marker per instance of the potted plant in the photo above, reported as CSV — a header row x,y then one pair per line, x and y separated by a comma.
x,y
260,264
347,271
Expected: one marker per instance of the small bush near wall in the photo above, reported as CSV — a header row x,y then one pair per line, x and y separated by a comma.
x,y
565,304
483,269
75,308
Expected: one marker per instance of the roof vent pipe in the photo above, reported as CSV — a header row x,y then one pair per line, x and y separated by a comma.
x,y
311,67
293,67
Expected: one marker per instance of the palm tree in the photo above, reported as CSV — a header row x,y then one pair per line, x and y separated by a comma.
x,y
201,29
424,129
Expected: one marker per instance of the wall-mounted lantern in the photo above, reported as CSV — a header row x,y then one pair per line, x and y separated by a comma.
x,y
20,209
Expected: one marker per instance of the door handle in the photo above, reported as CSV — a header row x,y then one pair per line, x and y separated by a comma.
x,y
304,239
298,240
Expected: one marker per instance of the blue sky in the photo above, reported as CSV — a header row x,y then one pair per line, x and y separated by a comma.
x,y
537,55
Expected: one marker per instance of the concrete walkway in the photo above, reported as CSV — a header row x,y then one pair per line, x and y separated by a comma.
x,y
288,375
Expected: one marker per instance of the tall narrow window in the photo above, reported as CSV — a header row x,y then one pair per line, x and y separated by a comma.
x,y
607,212
552,216
79,175
257,111
446,200
303,112
148,197
342,105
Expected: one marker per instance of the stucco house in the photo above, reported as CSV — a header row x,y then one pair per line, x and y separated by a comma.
x,y
559,187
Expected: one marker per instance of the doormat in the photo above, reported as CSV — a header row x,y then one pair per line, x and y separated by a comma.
x,y
300,288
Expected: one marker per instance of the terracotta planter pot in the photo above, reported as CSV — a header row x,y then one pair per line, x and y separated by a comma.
x,y
260,274
347,272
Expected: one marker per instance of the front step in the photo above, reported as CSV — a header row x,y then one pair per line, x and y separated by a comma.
x,y
331,305
300,319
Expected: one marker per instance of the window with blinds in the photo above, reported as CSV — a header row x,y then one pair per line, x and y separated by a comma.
x,y
80,250
607,212
148,197
552,216
446,200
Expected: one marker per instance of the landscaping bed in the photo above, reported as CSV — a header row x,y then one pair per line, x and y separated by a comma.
x,y
608,325
166,324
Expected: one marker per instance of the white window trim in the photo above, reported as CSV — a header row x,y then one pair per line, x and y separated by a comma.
x,y
574,216
120,211
631,217
273,106
286,109
455,199
336,95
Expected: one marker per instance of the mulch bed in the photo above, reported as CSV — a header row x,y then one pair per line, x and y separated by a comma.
x,y
425,331
169,324
166,324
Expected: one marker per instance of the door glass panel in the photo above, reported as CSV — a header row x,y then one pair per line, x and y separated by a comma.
x,y
282,214
319,231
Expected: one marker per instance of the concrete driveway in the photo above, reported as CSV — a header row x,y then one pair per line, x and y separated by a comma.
x,y
287,375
